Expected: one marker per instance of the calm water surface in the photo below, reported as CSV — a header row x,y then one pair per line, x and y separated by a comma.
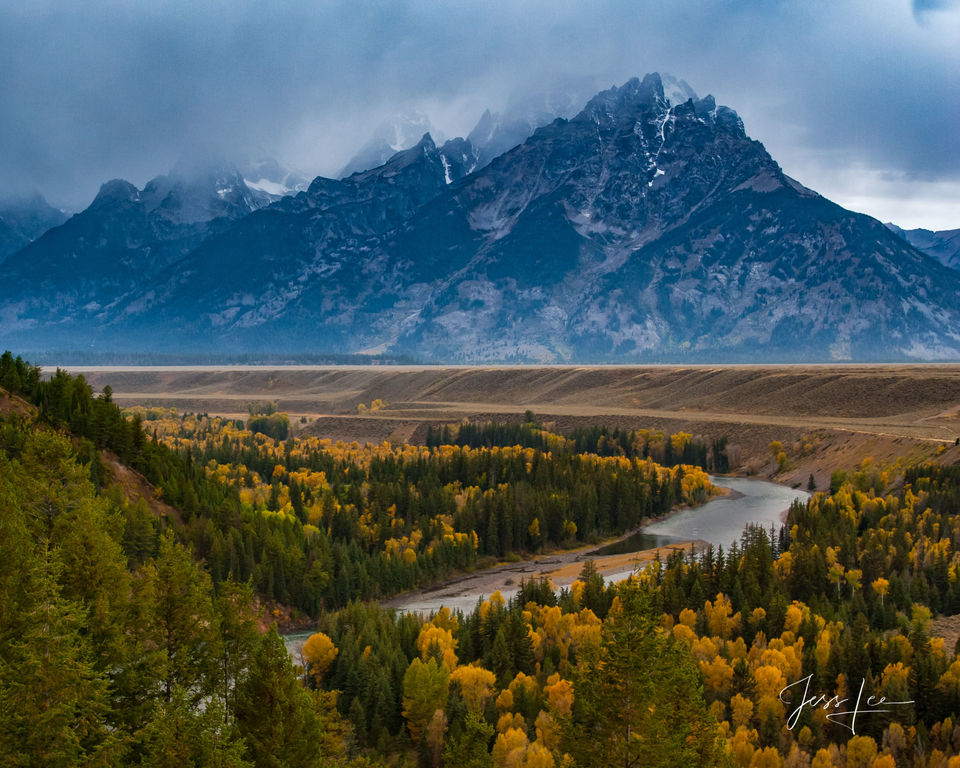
x,y
722,520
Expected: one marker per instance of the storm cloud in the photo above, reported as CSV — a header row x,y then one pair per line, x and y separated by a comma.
x,y
858,100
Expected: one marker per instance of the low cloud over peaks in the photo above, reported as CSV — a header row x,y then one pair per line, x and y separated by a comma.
x,y
110,89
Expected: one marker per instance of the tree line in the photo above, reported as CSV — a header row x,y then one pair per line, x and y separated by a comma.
x,y
667,450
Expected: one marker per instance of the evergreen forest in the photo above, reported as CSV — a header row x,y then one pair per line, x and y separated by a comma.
x,y
141,628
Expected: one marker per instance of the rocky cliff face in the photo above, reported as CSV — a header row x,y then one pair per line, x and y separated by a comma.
x,y
647,227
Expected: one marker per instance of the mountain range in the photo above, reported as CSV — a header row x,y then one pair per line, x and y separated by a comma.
x,y
944,245
495,132
647,226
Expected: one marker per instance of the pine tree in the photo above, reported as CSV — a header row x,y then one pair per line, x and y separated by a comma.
x,y
471,747
54,705
517,636
638,699
501,661
239,639
278,718
175,631
179,735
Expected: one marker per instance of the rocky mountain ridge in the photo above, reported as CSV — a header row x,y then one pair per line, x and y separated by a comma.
x,y
943,245
647,227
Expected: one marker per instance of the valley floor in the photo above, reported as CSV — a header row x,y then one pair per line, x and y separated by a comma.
x,y
827,416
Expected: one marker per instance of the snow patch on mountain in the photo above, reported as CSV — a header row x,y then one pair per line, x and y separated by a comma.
x,y
269,187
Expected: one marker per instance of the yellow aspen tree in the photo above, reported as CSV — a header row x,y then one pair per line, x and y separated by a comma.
x,y
689,617
836,574
823,759
741,711
679,442
684,634
509,720
717,674
534,530
768,757
506,743
437,640
950,680
529,684
704,649
794,617
853,577
741,745
445,620
318,654
861,750
882,587
720,618
770,680
560,695
476,685
548,730
537,756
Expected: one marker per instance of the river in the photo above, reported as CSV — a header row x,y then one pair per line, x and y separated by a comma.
x,y
722,520
719,522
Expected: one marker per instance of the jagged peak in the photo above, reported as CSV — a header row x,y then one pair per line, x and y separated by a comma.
x,y
656,92
634,91
390,137
425,148
729,118
117,190
426,142
484,130
633,96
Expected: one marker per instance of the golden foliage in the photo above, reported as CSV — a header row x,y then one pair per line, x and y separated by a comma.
x,y
476,685
318,654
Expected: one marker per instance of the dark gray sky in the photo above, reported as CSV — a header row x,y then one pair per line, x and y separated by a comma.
x,y
859,100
